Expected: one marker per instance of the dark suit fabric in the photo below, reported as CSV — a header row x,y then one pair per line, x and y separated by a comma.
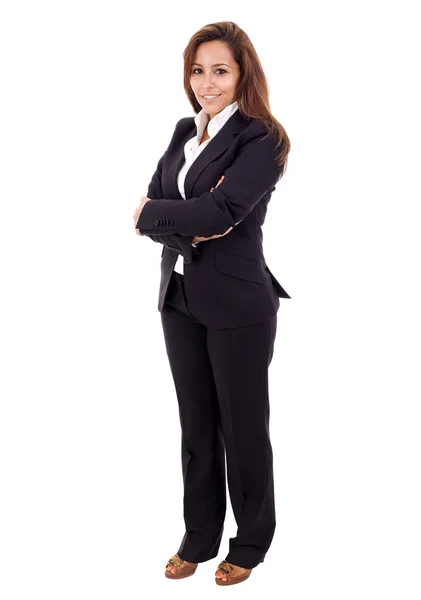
x,y
221,382
227,280
219,322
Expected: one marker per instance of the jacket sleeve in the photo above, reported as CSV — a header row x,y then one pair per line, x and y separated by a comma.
x,y
253,173
175,241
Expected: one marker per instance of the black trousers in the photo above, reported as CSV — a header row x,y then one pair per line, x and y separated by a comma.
x,y
221,382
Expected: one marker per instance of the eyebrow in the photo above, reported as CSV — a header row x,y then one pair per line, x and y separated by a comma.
x,y
217,64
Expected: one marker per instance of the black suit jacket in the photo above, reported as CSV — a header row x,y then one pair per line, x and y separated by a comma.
x,y
227,280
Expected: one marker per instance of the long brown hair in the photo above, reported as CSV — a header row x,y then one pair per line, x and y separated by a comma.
x,y
252,90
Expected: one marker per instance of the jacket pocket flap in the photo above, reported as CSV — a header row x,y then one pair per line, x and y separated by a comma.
x,y
238,266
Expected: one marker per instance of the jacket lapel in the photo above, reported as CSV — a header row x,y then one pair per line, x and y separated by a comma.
x,y
177,161
217,145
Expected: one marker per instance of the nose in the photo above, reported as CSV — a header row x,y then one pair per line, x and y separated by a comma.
x,y
208,83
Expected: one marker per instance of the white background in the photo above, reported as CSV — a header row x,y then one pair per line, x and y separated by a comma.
x,y
90,470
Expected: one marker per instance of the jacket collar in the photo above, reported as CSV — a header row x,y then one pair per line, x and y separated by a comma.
x,y
216,146
213,125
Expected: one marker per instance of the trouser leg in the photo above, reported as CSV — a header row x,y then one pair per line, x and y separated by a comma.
x,y
240,360
202,446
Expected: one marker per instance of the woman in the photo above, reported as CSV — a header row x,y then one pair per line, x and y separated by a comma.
x,y
218,300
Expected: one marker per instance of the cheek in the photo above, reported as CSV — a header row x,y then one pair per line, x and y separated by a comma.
x,y
228,84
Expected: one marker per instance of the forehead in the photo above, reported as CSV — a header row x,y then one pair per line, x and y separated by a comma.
x,y
209,53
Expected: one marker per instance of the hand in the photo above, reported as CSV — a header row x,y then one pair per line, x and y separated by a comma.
x,y
143,201
217,235
212,188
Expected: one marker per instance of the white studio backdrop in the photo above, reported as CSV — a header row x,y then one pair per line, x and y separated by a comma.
x,y
90,471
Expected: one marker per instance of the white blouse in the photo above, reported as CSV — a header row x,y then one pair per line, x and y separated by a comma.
x,y
193,148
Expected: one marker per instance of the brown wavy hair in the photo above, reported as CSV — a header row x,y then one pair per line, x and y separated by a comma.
x,y
252,92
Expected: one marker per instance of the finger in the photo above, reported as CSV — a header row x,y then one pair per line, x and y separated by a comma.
x,y
220,179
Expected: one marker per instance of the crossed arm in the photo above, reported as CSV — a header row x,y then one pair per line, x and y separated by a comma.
x,y
252,175
175,240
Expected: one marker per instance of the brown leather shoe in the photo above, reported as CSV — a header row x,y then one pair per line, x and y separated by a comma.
x,y
182,568
233,573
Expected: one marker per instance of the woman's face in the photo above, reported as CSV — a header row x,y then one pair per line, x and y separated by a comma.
x,y
214,72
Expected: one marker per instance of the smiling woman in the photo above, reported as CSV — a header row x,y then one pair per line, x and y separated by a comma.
x,y
212,185
214,87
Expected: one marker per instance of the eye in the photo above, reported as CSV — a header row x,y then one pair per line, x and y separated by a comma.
x,y
199,69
